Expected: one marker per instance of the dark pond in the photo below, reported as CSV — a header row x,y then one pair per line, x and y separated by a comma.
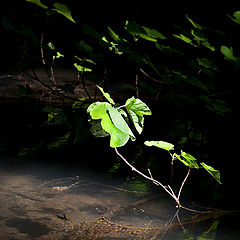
x,y
54,202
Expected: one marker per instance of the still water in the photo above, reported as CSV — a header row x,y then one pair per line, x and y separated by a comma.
x,y
43,202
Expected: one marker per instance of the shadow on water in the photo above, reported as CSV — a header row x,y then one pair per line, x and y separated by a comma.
x,y
48,202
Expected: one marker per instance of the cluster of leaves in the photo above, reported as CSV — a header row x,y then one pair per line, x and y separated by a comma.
x,y
57,7
112,121
182,62
186,158
186,72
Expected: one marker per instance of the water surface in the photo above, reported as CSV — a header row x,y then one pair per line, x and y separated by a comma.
x,y
43,201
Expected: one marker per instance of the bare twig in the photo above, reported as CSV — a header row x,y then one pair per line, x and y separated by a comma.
x,y
53,90
184,180
136,83
84,86
152,78
170,192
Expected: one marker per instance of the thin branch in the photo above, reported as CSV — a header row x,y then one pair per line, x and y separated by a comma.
x,y
167,189
136,84
184,180
147,177
152,78
53,91
84,86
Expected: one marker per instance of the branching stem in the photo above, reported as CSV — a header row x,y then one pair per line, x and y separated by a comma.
x,y
167,189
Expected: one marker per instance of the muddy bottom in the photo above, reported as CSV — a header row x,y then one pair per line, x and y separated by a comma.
x,y
49,202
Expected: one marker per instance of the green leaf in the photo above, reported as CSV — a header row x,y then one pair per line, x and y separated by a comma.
x,y
215,173
137,109
138,106
38,3
199,36
96,129
81,68
215,105
113,34
208,45
183,38
59,55
160,144
236,17
138,31
197,83
51,46
206,63
154,33
196,25
91,31
64,10
119,121
83,46
188,160
147,37
106,95
228,53
112,122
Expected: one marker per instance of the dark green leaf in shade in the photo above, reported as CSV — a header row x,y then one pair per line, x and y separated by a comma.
x,y
236,17
154,33
228,53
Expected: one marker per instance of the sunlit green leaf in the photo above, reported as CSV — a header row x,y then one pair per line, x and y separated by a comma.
x,y
64,10
119,121
199,36
112,122
51,46
138,106
81,68
147,37
183,38
59,55
215,173
188,160
84,60
137,109
106,95
38,3
208,45
196,25
160,144
113,34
